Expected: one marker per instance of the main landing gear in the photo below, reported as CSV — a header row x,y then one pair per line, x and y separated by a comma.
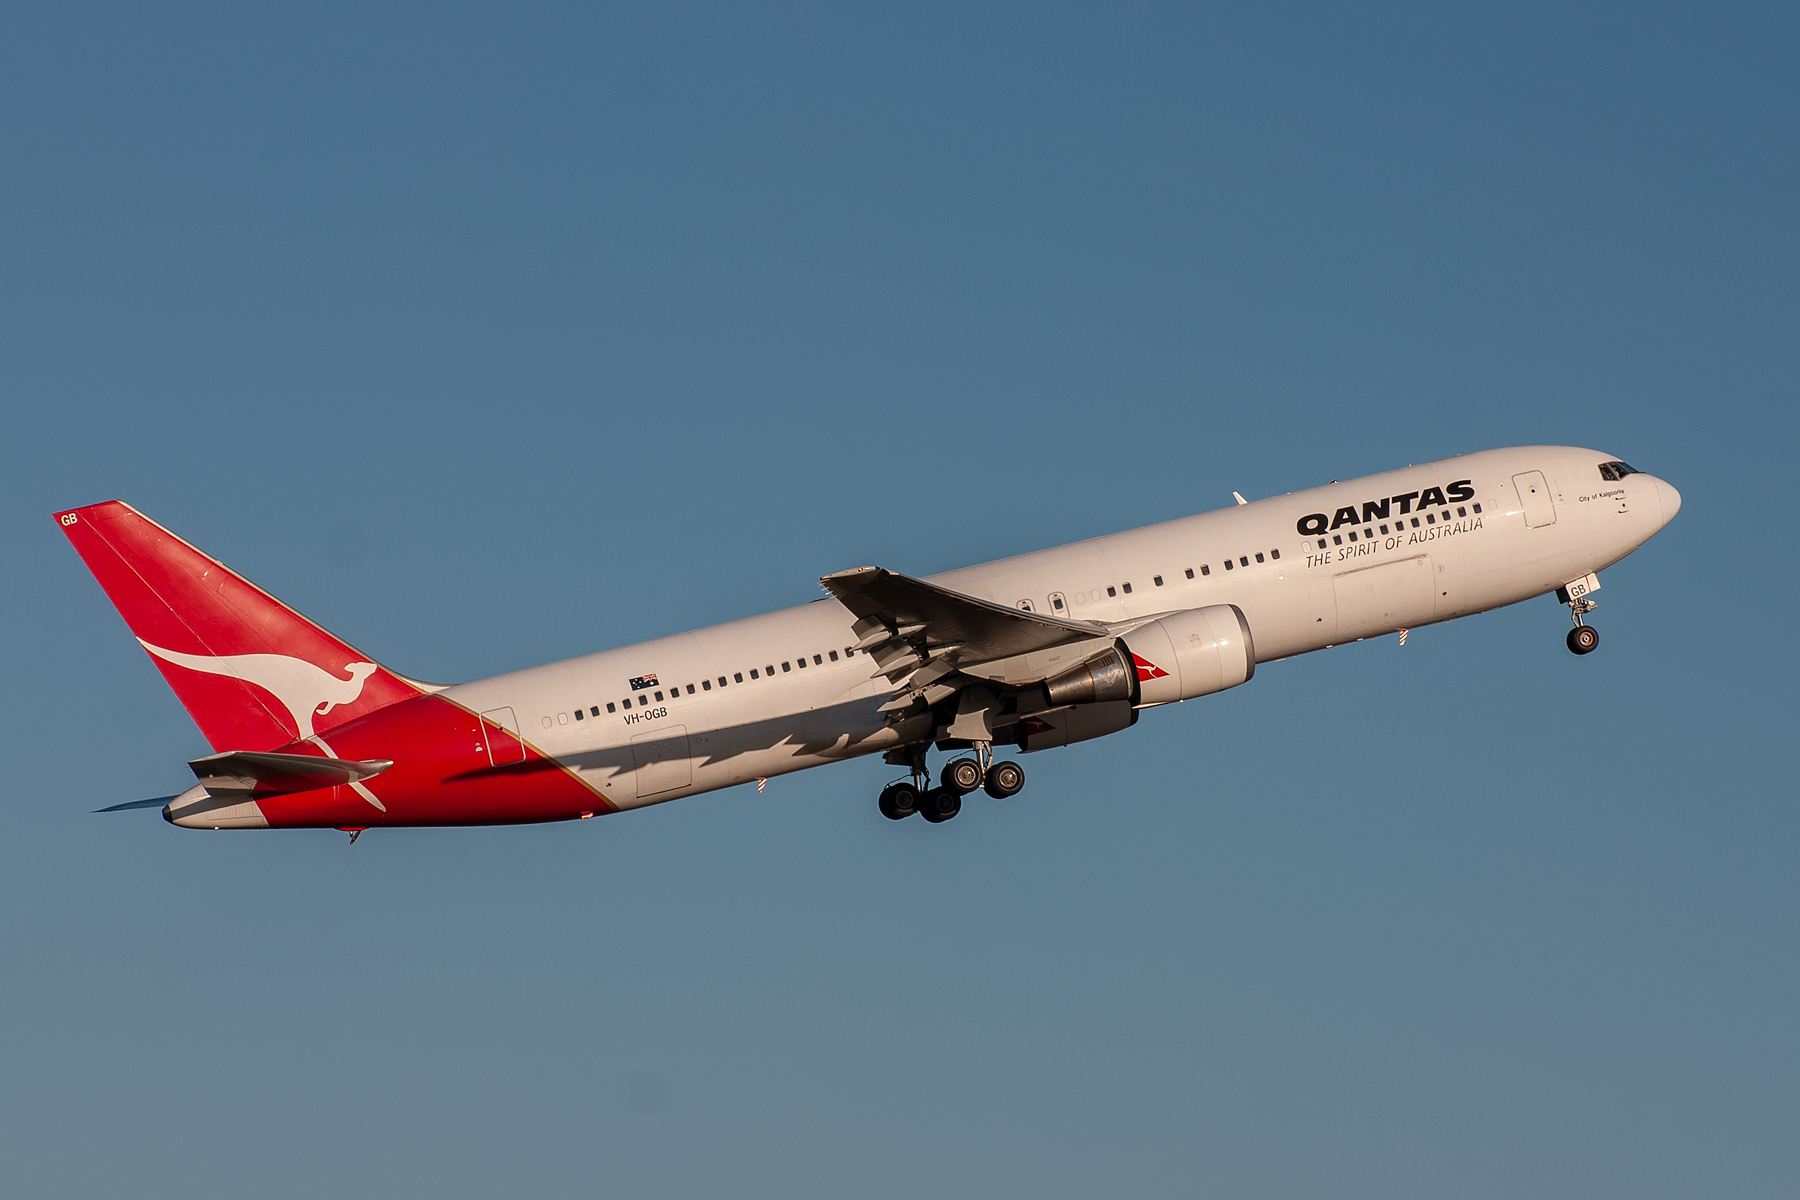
x,y
959,777
1584,638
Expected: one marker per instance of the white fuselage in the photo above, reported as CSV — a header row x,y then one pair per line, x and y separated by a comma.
x,y
810,702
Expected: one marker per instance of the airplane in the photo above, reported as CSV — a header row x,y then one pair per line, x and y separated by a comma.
x,y
1035,652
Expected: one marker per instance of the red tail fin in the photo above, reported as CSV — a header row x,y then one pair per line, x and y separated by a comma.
x,y
253,673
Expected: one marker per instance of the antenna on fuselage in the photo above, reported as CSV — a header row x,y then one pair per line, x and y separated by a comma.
x,y
1239,498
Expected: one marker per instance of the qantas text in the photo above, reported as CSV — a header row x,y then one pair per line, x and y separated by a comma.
x,y
1313,524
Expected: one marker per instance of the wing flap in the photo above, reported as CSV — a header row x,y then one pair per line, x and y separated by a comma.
x,y
921,635
891,606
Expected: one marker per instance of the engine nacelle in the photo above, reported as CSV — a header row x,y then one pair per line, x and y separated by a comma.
x,y
1076,723
1193,653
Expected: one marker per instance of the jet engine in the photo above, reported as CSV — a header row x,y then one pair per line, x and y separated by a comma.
x,y
1193,653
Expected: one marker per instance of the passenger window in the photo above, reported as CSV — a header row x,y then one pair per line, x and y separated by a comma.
x,y
626,702
1353,535
1229,566
1128,589
801,660
1112,591
1204,570
579,714
784,667
706,685
690,688
1243,562
1190,572
1056,602
1157,580
769,671
1321,543
609,706
834,656
1430,520
739,677
819,662
1478,508
753,674
1274,554
1462,512
1415,522
1259,557
1384,529
659,697
1337,539
849,650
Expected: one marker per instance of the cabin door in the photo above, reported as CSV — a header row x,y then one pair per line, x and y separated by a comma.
x,y
1534,498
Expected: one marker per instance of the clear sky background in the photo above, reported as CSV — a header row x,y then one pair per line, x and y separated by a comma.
x,y
488,337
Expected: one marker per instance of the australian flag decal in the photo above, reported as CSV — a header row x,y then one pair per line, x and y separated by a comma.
x,y
642,682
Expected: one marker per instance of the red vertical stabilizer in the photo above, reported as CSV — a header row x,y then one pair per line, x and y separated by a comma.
x,y
253,673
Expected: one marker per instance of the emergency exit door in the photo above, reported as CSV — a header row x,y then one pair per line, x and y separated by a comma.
x,y
1534,498
662,760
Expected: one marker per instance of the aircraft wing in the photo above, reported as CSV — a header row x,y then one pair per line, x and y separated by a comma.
x,y
919,633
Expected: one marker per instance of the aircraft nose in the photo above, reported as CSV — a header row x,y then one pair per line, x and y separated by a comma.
x,y
1670,498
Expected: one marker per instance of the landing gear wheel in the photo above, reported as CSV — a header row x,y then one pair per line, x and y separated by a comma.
x,y
898,801
939,804
1584,639
1004,779
962,775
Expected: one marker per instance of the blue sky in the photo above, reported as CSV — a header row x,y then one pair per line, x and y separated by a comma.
x,y
491,336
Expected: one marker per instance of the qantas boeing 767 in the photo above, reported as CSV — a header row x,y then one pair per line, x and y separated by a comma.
x,y
1033,652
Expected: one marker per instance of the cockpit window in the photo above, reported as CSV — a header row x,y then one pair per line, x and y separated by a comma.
x,y
1615,471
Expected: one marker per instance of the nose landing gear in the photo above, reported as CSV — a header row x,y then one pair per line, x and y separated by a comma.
x,y
1583,639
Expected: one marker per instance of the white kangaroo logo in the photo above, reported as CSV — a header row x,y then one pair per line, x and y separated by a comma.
x,y
307,690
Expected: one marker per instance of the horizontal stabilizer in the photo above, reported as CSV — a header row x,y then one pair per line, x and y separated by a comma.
x,y
262,773
153,802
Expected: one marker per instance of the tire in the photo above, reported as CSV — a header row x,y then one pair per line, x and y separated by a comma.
x,y
1584,639
898,801
939,804
1004,779
961,775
